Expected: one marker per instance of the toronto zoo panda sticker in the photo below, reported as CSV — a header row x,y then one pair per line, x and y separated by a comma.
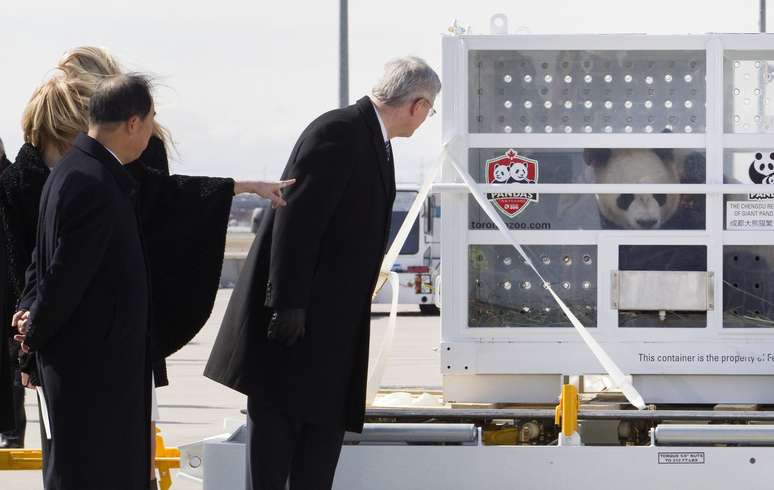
x,y
511,168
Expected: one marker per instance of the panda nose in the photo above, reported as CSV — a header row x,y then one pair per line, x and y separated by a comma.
x,y
646,223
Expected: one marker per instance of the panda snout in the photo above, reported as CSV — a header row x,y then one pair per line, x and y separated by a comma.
x,y
647,223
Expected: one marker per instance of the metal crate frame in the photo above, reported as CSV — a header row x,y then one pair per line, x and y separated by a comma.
x,y
547,353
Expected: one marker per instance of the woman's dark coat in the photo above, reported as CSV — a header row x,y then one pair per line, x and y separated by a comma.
x,y
184,221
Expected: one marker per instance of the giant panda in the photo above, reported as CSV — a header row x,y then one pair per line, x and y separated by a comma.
x,y
645,166
634,166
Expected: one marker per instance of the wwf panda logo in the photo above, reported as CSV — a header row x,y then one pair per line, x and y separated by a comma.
x,y
762,169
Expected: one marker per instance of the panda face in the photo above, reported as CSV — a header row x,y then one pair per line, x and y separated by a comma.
x,y
762,169
501,173
639,166
519,172
640,211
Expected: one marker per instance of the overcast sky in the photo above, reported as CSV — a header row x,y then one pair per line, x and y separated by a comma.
x,y
242,78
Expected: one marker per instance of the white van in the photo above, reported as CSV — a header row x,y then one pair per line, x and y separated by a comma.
x,y
418,264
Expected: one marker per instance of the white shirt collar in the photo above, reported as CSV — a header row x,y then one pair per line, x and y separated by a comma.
x,y
114,155
381,123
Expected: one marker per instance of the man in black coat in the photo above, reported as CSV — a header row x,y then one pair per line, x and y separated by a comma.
x,y
85,308
296,331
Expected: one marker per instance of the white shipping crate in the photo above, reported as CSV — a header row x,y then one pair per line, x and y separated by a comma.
x,y
635,150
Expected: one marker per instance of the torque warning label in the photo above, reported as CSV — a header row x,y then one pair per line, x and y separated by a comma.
x,y
680,458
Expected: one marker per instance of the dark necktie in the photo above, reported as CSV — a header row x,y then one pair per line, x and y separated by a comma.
x,y
388,149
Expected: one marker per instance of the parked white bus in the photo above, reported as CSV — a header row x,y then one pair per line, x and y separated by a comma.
x,y
419,262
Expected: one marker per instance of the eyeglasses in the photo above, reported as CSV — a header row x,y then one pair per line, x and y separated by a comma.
x,y
432,110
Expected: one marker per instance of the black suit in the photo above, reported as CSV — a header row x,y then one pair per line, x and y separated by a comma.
x,y
321,253
87,295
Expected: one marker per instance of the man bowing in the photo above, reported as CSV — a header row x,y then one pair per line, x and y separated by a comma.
x,y
295,335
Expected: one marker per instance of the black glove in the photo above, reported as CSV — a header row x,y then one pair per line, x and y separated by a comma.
x,y
287,326
28,364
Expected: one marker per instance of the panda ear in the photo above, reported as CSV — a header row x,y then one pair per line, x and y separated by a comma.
x,y
597,157
665,154
692,170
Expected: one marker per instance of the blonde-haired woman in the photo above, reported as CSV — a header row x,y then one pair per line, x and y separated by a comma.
x,y
84,62
85,66
184,219
20,188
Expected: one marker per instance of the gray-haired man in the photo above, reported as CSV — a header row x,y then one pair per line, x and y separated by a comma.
x,y
301,354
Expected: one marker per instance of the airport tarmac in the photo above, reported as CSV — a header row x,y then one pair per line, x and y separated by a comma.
x,y
194,407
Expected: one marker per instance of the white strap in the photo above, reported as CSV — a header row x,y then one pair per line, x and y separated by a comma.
x,y
408,222
620,380
44,411
377,372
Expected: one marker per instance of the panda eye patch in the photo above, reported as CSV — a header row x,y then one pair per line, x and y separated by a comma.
x,y
771,166
624,201
660,199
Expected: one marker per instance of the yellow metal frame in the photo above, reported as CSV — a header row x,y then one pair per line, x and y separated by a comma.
x,y
567,410
167,459
20,459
